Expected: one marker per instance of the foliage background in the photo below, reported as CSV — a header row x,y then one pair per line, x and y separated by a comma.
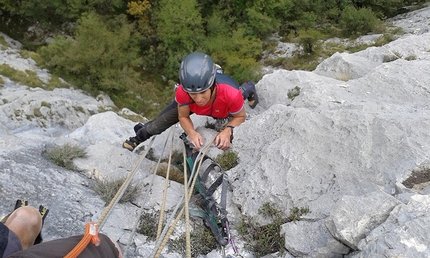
x,y
132,49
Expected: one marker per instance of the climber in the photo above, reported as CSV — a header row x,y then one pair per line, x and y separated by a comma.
x,y
22,228
202,91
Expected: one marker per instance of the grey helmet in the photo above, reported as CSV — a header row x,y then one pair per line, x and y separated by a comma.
x,y
197,72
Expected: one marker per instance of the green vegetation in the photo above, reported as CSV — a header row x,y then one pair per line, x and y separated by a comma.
x,y
107,189
55,82
45,104
176,172
63,155
148,225
28,77
227,160
33,55
266,239
79,109
132,50
202,242
293,93
3,42
37,112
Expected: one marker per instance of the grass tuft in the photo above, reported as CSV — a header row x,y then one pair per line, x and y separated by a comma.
x,y
263,240
107,189
227,160
293,93
202,242
63,155
28,77
148,226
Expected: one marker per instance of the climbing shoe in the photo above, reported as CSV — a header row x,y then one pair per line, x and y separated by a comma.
x,y
249,92
43,212
253,100
19,203
131,143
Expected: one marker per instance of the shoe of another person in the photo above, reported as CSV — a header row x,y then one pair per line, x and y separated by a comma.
x,y
131,143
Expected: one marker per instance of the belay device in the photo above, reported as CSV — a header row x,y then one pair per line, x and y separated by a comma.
x,y
211,184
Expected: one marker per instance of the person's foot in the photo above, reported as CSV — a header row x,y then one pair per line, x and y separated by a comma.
x,y
131,143
253,100
19,203
43,213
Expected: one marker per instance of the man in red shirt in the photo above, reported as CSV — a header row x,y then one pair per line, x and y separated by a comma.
x,y
201,93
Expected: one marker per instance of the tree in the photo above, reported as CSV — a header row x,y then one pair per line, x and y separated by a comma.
x,y
237,53
266,16
356,22
101,56
180,31
56,12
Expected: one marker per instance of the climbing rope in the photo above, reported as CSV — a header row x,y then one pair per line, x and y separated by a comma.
x,y
166,184
187,214
146,194
91,229
123,187
167,231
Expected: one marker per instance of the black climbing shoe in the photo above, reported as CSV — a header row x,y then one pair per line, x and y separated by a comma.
x,y
131,143
253,100
43,212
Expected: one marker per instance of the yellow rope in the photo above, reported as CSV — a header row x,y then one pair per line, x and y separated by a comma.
x,y
187,214
91,229
166,184
123,187
171,228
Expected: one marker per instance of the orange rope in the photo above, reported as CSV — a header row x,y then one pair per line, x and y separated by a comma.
x,y
91,235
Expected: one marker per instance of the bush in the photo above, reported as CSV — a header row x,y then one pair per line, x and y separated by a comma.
x,y
102,56
63,155
358,22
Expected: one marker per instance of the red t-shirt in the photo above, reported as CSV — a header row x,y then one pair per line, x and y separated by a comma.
x,y
228,101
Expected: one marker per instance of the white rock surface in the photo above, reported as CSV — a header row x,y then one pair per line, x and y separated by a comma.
x,y
342,147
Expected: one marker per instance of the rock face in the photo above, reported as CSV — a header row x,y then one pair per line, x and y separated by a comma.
x,y
342,140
